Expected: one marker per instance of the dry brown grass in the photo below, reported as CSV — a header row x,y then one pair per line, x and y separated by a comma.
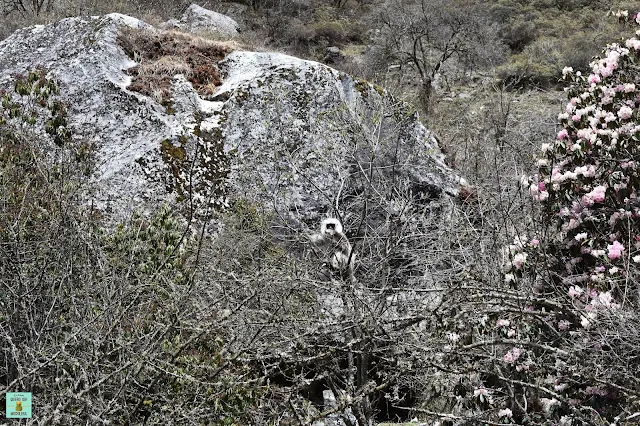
x,y
162,55
166,65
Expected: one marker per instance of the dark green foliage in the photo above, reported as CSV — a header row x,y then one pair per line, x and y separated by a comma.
x,y
157,244
39,90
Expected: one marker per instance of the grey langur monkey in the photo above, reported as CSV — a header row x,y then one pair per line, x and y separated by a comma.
x,y
334,241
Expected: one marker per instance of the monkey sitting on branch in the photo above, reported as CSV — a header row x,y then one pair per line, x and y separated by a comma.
x,y
335,243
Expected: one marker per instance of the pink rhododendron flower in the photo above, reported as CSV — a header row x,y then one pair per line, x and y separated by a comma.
x,y
503,323
542,196
615,250
597,195
535,242
513,355
563,134
519,260
480,391
573,224
533,189
593,79
575,291
537,191
563,325
633,43
556,176
591,171
605,299
505,412
625,112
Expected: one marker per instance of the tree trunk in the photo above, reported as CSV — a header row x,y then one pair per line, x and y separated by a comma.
x,y
426,90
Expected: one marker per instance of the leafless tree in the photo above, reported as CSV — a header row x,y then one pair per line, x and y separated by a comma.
x,y
426,35
35,7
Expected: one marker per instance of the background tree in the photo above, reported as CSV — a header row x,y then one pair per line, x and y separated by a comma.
x,y
427,35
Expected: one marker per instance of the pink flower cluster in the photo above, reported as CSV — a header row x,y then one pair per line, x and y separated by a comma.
x,y
597,195
615,250
505,412
513,355
538,191
503,323
519,260
575,291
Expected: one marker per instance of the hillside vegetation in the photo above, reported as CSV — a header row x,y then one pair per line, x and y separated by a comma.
x,y
520,308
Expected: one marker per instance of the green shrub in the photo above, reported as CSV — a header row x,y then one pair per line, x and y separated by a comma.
x,y
536,66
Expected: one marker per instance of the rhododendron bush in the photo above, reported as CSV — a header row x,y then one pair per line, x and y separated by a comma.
x,y
558,343
588,179
584,264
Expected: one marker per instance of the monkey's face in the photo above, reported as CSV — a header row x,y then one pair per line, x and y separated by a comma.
x,y
330,227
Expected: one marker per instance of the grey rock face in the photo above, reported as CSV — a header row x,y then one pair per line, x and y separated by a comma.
x,y
296,133
83,56
300,131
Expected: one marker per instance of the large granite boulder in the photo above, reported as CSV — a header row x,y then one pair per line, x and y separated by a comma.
x,y
284,133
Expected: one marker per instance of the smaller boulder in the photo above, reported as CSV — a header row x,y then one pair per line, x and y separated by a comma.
x,y
197,19
333,55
